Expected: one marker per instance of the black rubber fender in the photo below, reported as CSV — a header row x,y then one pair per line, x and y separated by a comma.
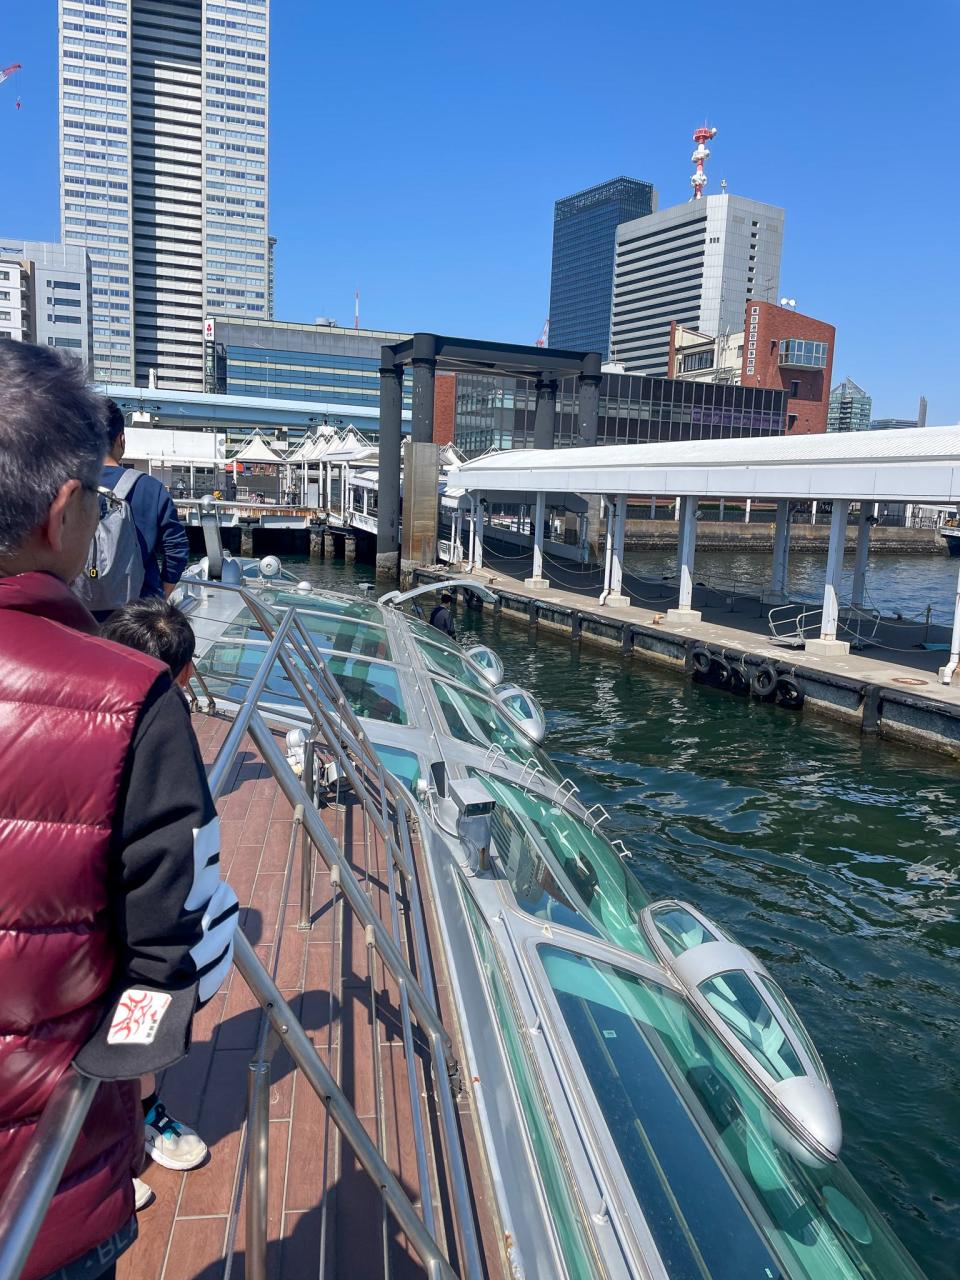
x,y
701,661
789,694
763,683
720,672
739,682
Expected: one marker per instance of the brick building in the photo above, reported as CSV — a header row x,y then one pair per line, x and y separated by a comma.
x,y
778,348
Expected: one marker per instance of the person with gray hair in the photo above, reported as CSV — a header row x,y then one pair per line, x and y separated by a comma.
x,y
114,923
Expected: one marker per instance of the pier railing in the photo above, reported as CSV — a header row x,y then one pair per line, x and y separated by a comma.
x,y
337,733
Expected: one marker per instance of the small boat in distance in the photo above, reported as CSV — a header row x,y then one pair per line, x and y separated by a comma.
x,y
950,532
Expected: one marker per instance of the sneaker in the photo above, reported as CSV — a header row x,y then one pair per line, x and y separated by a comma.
x,y
142,1194
170,1143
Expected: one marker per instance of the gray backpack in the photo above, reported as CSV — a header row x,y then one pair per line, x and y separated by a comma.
x,y
113,574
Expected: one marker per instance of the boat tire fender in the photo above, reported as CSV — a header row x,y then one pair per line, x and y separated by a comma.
x,y
789,694
701,661
720,672
739,682
763,683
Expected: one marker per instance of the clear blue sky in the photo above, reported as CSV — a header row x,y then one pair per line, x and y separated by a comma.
x,y
417,149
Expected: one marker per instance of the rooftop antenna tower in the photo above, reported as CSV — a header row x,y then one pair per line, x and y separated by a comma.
x,y
699,179
356,311
544,338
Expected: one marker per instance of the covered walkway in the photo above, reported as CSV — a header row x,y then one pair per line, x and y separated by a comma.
x,y
865,468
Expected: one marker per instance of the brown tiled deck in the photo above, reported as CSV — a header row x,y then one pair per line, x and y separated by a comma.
x,y
325,975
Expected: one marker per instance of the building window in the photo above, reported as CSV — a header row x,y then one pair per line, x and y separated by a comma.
x,y
794,388
698,360
800,353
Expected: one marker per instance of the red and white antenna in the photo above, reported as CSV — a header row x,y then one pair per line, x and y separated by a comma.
x,y
544,337
699,179
356,310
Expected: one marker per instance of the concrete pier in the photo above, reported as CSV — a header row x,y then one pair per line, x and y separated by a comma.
x,y
893,694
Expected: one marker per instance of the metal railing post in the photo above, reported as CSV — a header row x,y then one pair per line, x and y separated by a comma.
x,y
258,1165
306,846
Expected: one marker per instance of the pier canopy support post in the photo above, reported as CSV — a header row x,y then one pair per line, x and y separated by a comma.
x,y
781,550
616,599
946,673
481,510
388,508
862,556
828,645
537,579
588,420
424,364
685,612
545,416
473,532
608,551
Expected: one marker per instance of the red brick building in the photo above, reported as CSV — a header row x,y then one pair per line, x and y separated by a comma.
x,y
793,352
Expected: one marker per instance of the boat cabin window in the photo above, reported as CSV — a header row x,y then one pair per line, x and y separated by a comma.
x,y
445,662
371,688
402,764
721,1198
424,631
743,1009
329,632
470,718
776,994
229,666
340,605
679,929
601,885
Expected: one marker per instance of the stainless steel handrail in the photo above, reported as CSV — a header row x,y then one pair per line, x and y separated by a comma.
x,y
26,1200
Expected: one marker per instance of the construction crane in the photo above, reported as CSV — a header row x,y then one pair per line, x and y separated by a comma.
x,y
542,340
7,72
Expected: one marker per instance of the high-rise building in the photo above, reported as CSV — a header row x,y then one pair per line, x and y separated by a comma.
x,y
581,276
849,408
697,264
271,274
45,295
163,146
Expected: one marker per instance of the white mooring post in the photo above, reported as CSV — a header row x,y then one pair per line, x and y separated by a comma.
x,y
607,551
746,511
946,673
537,579
863,553
473,532
478,549
828,644
685,612
616,599
781,549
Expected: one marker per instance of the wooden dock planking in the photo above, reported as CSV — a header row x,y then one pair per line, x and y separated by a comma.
x,y
325,975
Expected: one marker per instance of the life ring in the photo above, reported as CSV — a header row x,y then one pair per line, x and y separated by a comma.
x,y
789,694
720,672
739,682
701,661
763,683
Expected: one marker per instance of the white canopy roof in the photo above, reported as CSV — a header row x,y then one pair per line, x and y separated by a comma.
x,y
256,449
920,465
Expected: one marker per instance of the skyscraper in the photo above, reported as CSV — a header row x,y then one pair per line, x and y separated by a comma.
x,y
581,277
163,144
697,264
849,408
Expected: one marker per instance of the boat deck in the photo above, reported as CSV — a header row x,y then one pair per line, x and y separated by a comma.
x,y
326,1217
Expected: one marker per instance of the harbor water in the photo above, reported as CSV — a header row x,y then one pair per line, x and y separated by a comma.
x,y
833,856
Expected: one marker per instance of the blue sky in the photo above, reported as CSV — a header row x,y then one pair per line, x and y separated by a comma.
x,y
417,149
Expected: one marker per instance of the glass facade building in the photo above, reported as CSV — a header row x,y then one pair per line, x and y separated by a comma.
x,y
163,173
634,409
850,407
584,245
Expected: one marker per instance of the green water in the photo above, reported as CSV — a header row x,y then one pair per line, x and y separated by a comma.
x,y
833,856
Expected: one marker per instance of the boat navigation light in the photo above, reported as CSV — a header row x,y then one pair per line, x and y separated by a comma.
x,y
269,567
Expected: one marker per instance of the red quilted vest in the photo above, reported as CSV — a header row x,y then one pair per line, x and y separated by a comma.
x,y
68,706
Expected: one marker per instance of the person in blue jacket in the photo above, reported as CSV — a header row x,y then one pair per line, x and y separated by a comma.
x,y
163,539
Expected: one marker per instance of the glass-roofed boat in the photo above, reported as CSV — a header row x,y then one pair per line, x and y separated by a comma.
x,y
649,1102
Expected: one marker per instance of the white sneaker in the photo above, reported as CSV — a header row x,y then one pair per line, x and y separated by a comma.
x,y
142,1194
170,1143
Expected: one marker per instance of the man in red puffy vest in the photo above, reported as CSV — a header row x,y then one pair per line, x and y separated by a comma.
x,y
114,922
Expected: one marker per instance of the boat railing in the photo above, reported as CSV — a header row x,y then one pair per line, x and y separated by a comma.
x,y
336,732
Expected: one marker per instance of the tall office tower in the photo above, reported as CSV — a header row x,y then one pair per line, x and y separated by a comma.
x,y
163,127
696,263
849,408
581,276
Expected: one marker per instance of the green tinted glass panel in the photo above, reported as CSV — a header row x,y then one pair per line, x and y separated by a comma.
x,y
721,1198
426,632
402,764
586,869
330,632
371,688
564,1211
680,930
788,1011
470,718
229,666
342,606
446,662
738,1002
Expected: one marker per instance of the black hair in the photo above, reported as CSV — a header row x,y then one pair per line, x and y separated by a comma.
x,y
116,424
52,429
446,598
155,627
